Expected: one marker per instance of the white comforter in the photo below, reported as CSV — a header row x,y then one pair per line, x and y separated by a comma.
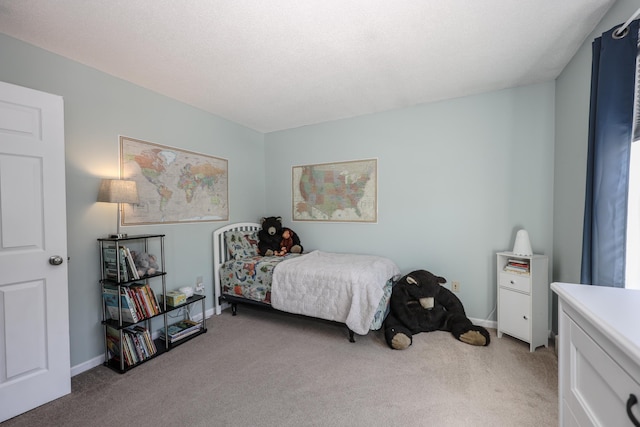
x,y
341,287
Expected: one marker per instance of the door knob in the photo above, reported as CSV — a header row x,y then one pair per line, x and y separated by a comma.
x,y
55,260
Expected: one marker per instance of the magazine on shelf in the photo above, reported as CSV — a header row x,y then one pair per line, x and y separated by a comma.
x,y
181,330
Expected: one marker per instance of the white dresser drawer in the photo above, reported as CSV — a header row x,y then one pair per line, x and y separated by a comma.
x,y
600,387
516,282
599,355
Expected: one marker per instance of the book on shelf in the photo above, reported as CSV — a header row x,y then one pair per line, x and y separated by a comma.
x,y
123,267
130,348
137,302
152,298
131,264
517,265
146,335
116,351
110,262
146,298
128,310
113,343
137,344
115,267
123,263
180,330
128,306
134,292
128,270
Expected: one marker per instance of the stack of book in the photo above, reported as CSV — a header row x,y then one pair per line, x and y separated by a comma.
x,y
137,344
181,330
517,265
144,299
124,265
137,302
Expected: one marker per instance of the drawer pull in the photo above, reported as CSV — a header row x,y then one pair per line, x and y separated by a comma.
x,y
525,317
512,282
632,400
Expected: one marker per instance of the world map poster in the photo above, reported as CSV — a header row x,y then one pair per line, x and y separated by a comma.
x,y
174,185
343,191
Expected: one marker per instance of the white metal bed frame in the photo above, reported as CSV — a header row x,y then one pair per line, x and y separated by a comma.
x,y
221,255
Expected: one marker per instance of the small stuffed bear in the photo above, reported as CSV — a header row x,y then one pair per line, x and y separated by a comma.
x,y
419,304
272,240
146,264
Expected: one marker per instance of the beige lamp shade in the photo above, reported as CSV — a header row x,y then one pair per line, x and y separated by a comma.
x,y
118,191
522,246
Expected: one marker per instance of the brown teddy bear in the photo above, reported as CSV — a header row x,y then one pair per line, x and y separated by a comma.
x,y
271,240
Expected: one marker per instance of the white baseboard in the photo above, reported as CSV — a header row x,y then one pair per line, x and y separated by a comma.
x,y
483,322
85,366
223,306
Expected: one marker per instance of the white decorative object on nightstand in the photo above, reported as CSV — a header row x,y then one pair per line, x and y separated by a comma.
x,y
523,297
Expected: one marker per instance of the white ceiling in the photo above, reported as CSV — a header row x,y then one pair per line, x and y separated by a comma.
x,y
272,65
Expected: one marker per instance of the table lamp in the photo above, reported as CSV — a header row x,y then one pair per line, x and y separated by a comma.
x,y
118,191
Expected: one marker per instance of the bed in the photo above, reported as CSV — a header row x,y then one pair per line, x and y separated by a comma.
x,y
351,289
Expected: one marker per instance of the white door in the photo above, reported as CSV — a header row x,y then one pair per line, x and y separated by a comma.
x,y
34,314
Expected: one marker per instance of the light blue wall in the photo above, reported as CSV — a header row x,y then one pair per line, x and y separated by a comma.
x,y
99,108
456,180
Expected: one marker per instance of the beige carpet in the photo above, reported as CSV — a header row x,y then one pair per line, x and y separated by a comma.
x,y
263,368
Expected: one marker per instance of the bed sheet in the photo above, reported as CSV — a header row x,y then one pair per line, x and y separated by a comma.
x,y
342,287
251,278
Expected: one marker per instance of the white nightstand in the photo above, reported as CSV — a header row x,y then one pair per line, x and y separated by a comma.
x,y
523,299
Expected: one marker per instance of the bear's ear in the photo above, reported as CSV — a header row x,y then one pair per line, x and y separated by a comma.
x,y
441,279
262,220
411,280
279,218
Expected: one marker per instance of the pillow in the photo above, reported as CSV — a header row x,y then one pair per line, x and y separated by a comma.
x,y
242,244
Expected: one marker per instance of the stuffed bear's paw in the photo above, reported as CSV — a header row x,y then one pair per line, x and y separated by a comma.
x,y
268,252
400,341
295,249
475,337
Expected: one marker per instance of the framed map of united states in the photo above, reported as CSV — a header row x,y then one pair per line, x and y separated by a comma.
x,y
342,191
174,185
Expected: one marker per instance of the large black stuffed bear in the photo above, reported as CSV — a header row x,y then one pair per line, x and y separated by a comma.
x,y
273,239
419,304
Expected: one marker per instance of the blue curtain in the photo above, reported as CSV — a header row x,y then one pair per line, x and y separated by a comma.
x,y
610,128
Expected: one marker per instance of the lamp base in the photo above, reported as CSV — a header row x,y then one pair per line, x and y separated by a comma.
x,y
118,236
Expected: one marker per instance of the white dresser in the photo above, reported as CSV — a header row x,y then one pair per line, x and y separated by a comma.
x,y
599,355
